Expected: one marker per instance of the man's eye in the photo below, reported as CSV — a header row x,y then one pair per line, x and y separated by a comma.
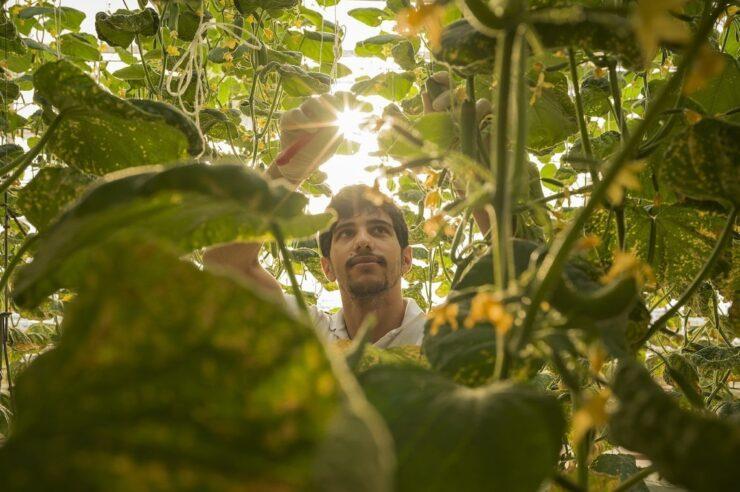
x,y
380,230
344,233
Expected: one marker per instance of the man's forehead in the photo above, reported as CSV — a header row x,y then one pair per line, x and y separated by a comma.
x,y
373,214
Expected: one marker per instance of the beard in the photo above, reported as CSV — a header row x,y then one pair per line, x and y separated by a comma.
x,y
368,289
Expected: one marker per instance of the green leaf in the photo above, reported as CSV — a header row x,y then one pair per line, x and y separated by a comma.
x,y
297,82
9,91
550,120
246,398
318,46
189,206
246,7
682,375
717,358
121,27
188,23
219,125
449,437
370,15
49,192
65,17
650,422
82,46
703,162
100,132
376,45
721,94
436,128
602,147
684,237
10,41
595,92
405,55
620,465
390,85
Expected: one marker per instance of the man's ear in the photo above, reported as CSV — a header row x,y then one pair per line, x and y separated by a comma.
x,y
326,267
406,259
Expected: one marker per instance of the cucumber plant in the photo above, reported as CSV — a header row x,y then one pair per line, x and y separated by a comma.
x,y
569,173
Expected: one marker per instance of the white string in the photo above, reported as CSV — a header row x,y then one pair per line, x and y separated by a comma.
x,y
191,62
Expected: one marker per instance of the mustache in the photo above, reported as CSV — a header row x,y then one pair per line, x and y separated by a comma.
x,y
363,258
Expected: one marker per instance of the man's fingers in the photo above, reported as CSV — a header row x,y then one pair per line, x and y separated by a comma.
x,y
320,109
297,120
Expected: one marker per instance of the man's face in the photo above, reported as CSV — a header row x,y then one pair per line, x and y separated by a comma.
x,y
366,258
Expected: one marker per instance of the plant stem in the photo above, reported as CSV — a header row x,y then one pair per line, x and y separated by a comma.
x,y
565,483
708,265
280,240
500,161
617,97
580,114
552,265
634,479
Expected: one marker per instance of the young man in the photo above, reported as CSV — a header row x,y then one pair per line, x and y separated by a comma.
x,y
366,250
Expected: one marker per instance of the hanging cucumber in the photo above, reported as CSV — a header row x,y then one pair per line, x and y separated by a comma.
x,y
693,450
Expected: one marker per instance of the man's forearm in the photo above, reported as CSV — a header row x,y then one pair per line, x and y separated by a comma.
x,y
243,258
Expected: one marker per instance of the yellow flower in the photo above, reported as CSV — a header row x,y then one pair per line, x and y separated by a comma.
x,y
433,199
172,50
228,57
230,43
433,225
592,413
268,33
587,242
485,306
538,89
424,18
627,178
441,315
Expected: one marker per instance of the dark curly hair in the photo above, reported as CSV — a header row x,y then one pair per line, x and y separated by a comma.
x,y
354,199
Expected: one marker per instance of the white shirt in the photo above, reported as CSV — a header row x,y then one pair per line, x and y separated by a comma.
x,y
332,326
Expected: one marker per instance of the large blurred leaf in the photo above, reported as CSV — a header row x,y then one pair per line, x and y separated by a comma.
x,y
449,437
122,26
169,378
100,132
689,449
49,192
190,206
703,162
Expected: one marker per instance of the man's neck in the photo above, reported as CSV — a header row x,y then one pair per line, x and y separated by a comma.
x,y
388,308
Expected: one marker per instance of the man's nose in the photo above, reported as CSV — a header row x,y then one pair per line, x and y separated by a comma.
x,y
363,240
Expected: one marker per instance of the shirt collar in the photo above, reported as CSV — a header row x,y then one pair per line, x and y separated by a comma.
x,y
338,328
